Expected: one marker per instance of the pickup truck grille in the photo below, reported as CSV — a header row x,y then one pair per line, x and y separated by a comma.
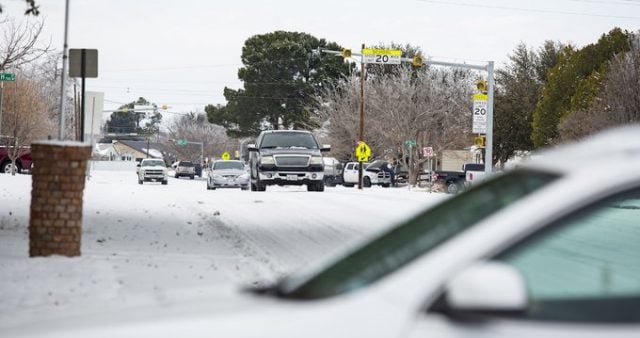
x,y
153,172
292,160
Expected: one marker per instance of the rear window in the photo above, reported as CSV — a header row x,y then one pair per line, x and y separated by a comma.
x,y
186,164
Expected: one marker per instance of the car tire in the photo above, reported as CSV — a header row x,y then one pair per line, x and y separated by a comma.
x,y
320,186
261,186
366,182
139,181
453,188
191,177
165,182
348,185
177,176
253,187
6,167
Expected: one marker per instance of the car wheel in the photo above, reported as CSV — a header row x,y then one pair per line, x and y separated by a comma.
x,y
320,186
139,181
348,185
165,182
6,168
311,186
261,186
191,177
366,182
253,187
453,188
177,176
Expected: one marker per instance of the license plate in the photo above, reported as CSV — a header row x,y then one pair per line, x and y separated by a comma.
x,y
292,177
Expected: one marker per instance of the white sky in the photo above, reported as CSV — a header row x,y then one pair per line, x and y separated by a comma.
x,y
183,53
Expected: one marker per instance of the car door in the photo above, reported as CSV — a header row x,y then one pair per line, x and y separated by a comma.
x,y
582,276
350,173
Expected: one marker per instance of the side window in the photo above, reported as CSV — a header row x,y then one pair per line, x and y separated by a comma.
x,y
585,268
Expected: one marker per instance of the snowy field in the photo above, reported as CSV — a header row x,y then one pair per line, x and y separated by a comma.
x,y
151,243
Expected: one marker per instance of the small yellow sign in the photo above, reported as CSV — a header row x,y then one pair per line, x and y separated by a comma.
x,y
362,152
372,51
480,97
226,156
479,141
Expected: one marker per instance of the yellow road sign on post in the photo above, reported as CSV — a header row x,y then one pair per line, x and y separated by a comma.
x,y
362,152
382,56
226,156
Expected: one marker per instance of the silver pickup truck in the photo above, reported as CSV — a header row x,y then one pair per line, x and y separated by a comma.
x,y
286,157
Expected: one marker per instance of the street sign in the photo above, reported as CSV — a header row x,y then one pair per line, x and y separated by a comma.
x,y
83,63
479,141
362,152
226,156
181,142
410,143
7,77
427,151
382,56
479,114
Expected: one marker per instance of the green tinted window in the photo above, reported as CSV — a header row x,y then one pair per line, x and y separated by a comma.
x,y
586,268
406,242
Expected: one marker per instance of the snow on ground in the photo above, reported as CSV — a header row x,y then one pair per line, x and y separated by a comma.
x,y
151,243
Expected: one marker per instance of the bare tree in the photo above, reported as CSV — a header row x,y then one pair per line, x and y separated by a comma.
x,y
430,106
20,43
195,128
25,117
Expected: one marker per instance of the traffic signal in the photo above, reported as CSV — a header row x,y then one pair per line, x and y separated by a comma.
x,y
482,86
346,53
417,61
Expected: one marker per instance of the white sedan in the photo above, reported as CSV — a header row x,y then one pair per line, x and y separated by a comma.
x,y
550,249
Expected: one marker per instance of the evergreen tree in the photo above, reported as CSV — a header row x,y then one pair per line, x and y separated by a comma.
x,y
572,84
281,76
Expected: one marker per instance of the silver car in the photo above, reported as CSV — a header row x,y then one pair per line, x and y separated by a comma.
x,y
227,174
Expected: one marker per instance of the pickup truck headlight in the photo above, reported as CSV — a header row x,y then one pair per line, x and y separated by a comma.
x,y
267,159
316,160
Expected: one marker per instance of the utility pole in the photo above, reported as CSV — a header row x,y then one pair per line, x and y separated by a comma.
x,y
64,70
362,74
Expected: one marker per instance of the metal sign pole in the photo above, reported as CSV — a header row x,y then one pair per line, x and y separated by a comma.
x,y
64,71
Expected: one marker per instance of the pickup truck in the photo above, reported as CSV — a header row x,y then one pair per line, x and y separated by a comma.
x,y
371,175
456,181
286,157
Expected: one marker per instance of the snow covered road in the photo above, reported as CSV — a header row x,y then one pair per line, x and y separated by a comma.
x,y
156,243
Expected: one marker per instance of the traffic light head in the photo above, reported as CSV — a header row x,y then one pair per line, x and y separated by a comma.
x,y
346,53
482,86
417,61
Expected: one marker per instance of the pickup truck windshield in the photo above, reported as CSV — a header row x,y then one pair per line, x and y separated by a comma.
x,y
289,140
153,163
401,245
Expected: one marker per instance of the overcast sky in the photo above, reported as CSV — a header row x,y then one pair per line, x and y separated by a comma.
x,y
183,53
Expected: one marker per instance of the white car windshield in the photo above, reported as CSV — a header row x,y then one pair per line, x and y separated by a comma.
x,y
402,244
152,163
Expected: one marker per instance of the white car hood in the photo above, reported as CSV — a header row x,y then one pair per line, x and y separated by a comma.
x,y
229,314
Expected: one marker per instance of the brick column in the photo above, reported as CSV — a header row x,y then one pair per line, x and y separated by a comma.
x,y
55,225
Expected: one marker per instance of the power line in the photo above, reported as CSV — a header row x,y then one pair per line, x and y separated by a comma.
x,y
531,10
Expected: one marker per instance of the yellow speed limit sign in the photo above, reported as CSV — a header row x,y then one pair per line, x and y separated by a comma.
x,y
362,151
226,156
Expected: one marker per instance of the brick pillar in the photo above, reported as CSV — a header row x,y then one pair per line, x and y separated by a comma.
x,y
55,225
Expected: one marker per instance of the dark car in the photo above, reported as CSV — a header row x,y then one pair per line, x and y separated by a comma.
x,y
286,157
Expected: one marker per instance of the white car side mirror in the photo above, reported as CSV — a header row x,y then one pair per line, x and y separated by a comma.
x,y
325,148
252,147
487,287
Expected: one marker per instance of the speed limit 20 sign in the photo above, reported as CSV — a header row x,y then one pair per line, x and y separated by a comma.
x,y
479,114
382,56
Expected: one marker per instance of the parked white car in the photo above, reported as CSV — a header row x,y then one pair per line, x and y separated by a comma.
x,y
152,170
549,249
